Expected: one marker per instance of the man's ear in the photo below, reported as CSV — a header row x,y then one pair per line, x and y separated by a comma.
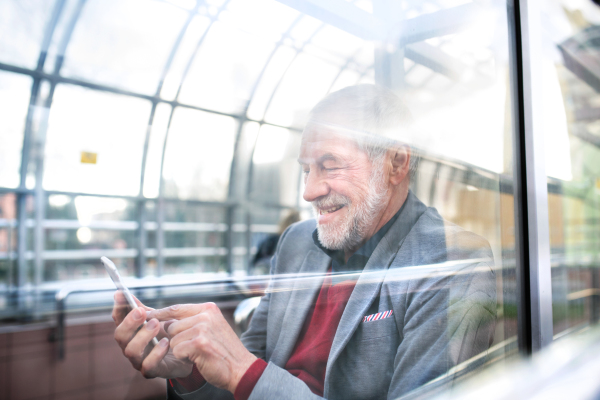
x,y
400,159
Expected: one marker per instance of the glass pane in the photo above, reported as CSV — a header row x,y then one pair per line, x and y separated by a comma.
x,y
123,43
225,83
306,81
275,170
193,169
194,239
79,228
243,160
95,142
22,24
15,92
193,35
571,126
273,74
158,132
233,54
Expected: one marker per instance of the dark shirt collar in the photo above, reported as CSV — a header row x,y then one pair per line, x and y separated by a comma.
x,y
358,260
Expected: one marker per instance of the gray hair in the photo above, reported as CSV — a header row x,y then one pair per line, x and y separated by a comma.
x,y
372,115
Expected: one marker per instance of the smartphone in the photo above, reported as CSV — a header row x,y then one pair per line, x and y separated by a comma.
x,y
113,272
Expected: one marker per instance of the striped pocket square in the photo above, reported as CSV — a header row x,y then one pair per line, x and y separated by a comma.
x,y
380,315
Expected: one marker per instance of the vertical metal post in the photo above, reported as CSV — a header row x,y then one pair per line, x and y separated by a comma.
x,y
140,261
531,189
229,238
160,233
389,59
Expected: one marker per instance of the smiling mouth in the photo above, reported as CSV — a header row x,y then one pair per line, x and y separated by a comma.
x,y
331,209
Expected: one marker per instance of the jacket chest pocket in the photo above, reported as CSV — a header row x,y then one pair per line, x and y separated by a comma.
x,y
364,369
369,330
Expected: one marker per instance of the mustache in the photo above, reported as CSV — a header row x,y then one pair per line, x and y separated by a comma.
x,y
330,200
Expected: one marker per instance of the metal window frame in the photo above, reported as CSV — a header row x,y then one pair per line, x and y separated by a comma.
x,y
532,231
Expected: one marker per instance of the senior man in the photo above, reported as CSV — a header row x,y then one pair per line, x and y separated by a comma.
x,y
388,295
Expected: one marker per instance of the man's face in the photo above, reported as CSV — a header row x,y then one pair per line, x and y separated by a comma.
x,y
348,192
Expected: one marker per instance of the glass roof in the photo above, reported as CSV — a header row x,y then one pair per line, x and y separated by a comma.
x,y
123,43
22,25
225,61
14,102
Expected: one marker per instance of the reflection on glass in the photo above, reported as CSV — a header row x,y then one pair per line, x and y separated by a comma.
x,y
198,155
15,91
571,101
22,26
123,43
84,123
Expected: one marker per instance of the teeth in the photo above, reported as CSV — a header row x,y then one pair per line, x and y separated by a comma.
x,y
330,210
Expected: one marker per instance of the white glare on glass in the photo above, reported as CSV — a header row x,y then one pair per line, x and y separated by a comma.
x,y
198,155
346,78
155,149
304,29
91,208
225,69
194,32
304,84
271,144
123,43
556,133
112,127
267,19
337,42
84,235
22,24
280,61
187,4
15,91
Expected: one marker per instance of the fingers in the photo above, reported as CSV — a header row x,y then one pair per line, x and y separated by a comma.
x,y
122,308
180,311
149,367
126,329
176,327
136,350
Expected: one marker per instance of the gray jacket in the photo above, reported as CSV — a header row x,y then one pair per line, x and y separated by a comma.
x,y
438,280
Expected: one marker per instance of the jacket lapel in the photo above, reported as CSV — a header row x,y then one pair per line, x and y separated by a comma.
x,y
370,280
306,285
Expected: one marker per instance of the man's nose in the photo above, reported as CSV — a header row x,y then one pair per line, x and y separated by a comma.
x,y
315,187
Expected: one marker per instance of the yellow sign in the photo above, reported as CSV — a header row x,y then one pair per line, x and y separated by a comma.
x,y
88,158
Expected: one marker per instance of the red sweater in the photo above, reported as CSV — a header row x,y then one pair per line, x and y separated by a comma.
x,y
308,361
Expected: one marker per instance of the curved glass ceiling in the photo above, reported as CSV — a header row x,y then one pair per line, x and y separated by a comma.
x,y
173,63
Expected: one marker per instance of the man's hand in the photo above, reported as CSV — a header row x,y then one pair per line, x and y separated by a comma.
x,y
151,361
202,335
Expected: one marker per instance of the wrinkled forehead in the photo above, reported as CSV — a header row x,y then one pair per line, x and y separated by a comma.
x,y
319,139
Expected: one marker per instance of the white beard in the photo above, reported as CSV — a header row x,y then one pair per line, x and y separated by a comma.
x,y
352,230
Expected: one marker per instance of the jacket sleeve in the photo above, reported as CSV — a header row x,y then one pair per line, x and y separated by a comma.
x,y
448,320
